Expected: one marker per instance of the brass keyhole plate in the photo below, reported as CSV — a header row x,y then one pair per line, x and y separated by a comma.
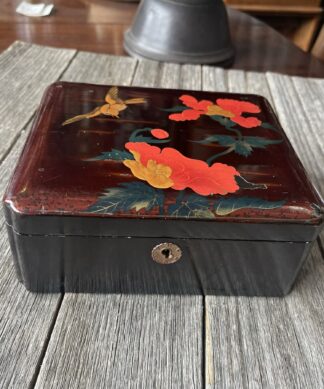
x,y
166,253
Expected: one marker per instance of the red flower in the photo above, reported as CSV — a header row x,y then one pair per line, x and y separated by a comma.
x,y
237,107
198,108
168,168
232,109
159,134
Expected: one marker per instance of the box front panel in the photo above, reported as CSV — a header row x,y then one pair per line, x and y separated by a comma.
x,y
126,265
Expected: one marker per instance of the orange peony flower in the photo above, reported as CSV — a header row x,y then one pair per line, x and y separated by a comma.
x,y
237,107
156,174
198,108
168,168
232,109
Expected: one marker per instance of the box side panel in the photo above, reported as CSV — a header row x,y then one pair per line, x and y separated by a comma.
x,y
250,268
122,265
156,228
13,247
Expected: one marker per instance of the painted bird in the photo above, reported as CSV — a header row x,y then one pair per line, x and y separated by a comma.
x,y
113,106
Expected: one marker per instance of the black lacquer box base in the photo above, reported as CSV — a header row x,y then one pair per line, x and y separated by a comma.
x,y
124,265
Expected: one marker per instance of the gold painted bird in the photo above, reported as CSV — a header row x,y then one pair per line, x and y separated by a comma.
x,y
113,106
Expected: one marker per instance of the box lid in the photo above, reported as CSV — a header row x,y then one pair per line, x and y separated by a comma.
x,y
126,156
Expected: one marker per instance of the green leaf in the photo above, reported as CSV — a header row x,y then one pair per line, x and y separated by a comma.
x,y
242,148
192,206
135,135
223,121
226,206
256,141
267,125
270,127
224,140
177,108
203,214
128,196
113,155
147,139
248,143
245,184
141,138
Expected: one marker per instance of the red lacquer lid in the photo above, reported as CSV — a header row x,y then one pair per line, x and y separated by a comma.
x,y
150,153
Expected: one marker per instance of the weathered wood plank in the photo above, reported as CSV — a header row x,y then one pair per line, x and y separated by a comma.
x,y
122,341
191,77
214,79
236,81
127,341
301,113
22,85
300,106
25,318
147,73
257,83
100,69
170,75
12,53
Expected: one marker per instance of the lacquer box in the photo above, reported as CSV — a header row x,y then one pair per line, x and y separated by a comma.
x,y
139,190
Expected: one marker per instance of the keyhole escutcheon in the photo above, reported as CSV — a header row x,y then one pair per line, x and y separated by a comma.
x,y
166,253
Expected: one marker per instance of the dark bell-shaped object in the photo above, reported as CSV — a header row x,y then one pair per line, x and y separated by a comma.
x,y
183,31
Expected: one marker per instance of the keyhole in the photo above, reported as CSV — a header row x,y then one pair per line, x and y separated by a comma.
x,y
166,253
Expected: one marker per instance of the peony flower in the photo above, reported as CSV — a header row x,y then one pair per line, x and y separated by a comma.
x,y
168,168
237,107
156,174
232,109
197,108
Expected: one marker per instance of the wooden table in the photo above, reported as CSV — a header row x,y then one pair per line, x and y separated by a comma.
x,y
146,341
98,25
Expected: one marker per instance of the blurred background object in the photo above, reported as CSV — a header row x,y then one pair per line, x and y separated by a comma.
x,y
183,31
99,26
298,20
318,48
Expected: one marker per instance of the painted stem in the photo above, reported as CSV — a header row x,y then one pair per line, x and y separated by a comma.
x,y
215,156
181,196
132,138
134,135
237,132
161,206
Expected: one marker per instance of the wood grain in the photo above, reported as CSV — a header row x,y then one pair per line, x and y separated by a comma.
x,y
23,80
300,108
25,318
